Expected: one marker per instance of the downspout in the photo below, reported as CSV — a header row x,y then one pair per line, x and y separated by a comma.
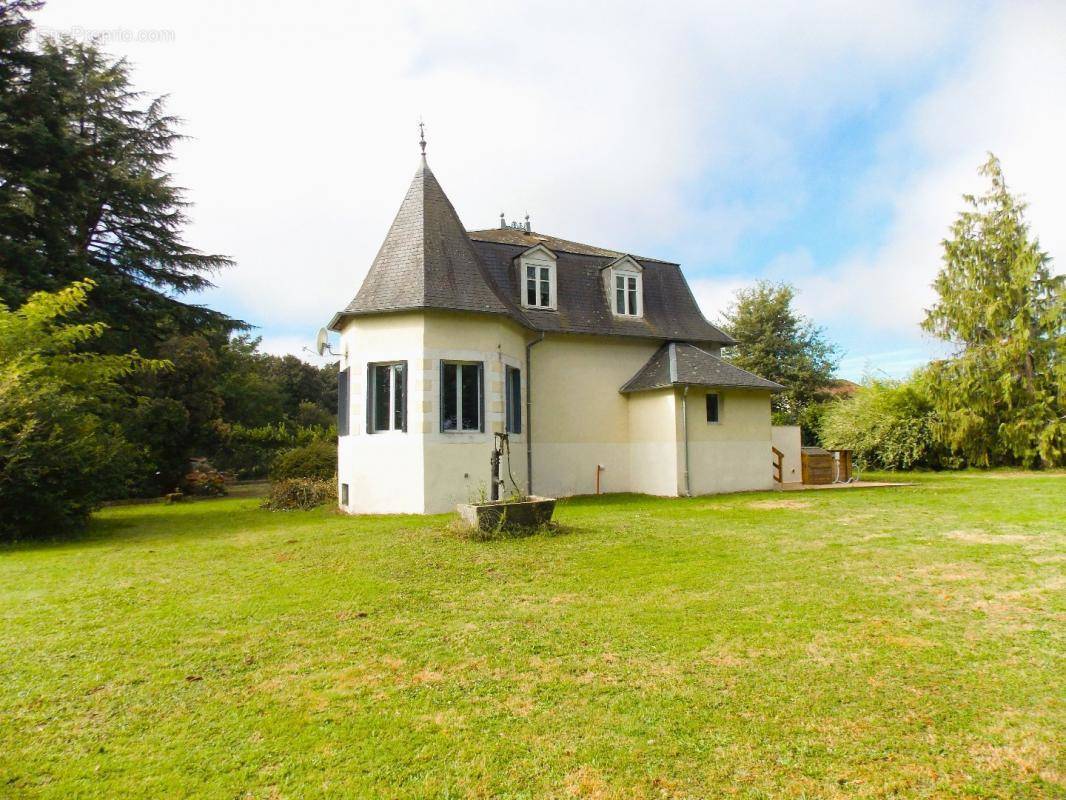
x,y
529,414
684,435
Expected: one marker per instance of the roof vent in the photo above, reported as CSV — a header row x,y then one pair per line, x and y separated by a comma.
x,y
517,226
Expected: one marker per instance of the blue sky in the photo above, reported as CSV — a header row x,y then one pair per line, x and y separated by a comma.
x,y
825,144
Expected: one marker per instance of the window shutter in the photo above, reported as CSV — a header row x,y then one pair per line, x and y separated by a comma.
x,y
343,405
481,395
518,401
403,409
369,398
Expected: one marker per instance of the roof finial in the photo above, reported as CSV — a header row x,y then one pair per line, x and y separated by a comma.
x,y
422,136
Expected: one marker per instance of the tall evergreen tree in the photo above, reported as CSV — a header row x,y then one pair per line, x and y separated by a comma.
x,y
778,343
84,191
1000,399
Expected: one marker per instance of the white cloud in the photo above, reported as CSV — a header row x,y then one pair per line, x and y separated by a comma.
x,y
607,122
602,120
1008,97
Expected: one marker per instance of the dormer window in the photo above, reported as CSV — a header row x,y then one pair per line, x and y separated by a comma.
x,y
537,278
625,287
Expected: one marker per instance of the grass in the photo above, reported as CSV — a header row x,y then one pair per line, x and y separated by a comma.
x,y
884,642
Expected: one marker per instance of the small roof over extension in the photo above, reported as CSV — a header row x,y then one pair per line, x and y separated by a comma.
x,y
683,364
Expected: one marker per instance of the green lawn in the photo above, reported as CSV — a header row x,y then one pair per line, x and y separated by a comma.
x,y
882,642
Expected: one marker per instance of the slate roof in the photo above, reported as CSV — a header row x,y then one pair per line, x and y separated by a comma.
x,y
682,364
670,310
426,260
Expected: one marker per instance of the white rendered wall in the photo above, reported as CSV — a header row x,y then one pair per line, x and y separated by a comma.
x,y
580,419
456,465
384,471
786,438
732,455
654,442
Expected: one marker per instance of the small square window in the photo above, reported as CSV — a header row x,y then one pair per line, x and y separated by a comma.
x,y
713,408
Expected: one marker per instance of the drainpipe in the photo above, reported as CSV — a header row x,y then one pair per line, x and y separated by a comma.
x,y
529,414
684,435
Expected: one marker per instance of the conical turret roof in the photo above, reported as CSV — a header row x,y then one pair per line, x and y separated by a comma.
x,y
427,260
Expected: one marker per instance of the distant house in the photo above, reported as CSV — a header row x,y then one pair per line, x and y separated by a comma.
x,y
597,364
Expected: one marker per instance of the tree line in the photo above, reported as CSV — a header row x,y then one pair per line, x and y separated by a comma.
x,y
998,400
109,380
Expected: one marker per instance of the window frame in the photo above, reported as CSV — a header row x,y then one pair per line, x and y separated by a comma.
x,y
717,408
445,362
512,400
632,293
397,378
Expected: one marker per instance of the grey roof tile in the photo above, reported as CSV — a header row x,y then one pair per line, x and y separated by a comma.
x,y
685,364
426,260
670,310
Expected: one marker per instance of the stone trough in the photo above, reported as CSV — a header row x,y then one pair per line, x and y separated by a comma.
x,y
530,512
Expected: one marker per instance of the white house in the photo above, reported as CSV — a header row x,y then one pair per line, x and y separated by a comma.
x,y
597,364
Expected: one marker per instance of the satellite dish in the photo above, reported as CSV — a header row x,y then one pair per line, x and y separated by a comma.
x,y
322,341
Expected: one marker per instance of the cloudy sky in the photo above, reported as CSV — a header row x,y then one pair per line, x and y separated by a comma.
x,y
822,143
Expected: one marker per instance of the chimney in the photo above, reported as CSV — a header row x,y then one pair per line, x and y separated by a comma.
x,y
503,221
528,229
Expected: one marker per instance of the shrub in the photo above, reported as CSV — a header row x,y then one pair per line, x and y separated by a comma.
x,y
203,479
887,424
315,460
294,494
60,456
249,452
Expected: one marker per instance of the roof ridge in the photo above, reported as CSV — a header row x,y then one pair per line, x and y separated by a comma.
x,y
606,252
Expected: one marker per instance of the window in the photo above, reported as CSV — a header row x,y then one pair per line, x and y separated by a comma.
x,y
344,494
342,402
461,396
513,398
627,294
536,278
386,407
538,286
713,408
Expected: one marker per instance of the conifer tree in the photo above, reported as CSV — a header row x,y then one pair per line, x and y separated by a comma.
x,y
1000,398
776,342
85,192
